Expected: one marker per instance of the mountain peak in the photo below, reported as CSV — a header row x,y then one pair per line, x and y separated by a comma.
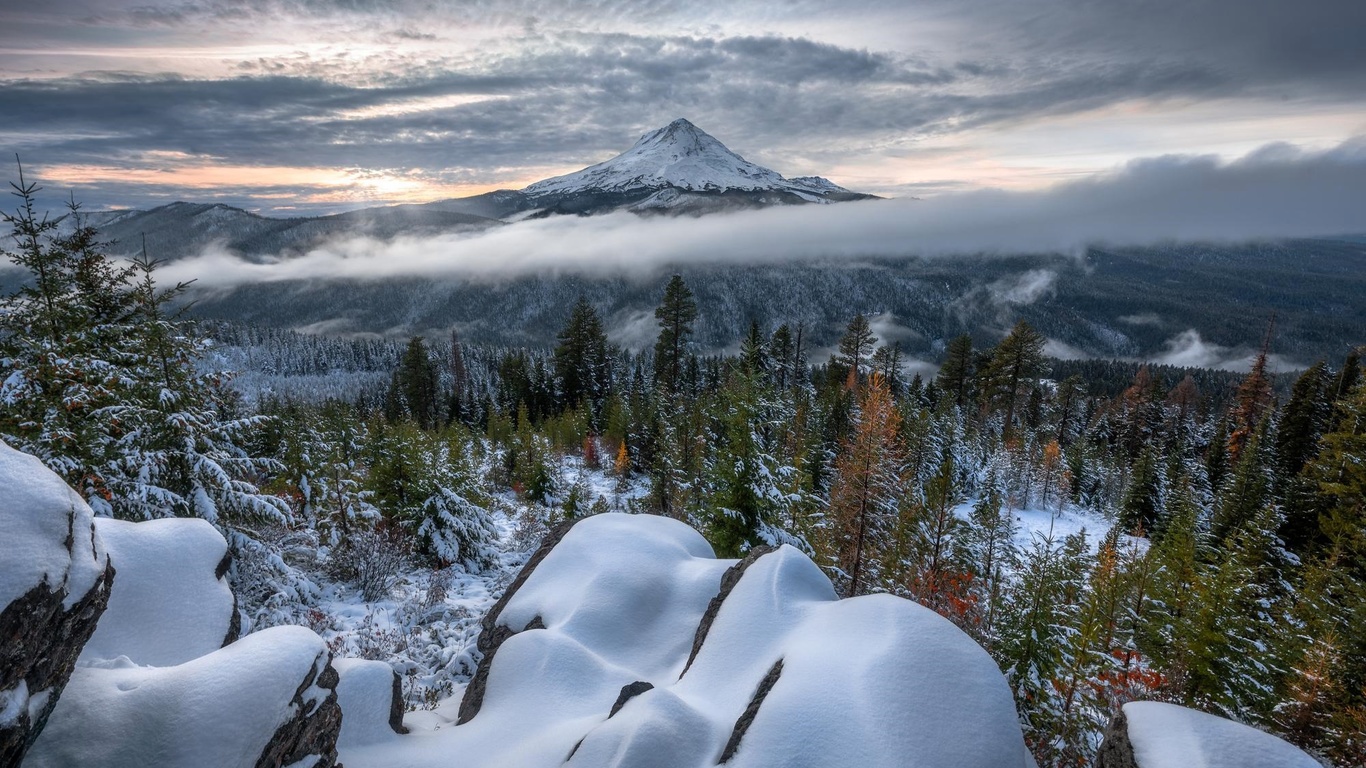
x,y
682,158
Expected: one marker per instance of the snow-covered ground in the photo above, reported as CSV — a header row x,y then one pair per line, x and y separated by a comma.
x,y
426,628
1033,522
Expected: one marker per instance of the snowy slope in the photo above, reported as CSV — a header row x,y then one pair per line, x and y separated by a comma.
x,y
680,156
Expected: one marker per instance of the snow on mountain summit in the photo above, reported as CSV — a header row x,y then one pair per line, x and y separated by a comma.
x,y
682,156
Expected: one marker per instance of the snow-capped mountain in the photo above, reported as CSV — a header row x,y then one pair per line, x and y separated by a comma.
x,y
684,157
677,168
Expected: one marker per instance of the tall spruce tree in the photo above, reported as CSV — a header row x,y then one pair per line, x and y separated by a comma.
x,y
856,347
583,365
676,313
956,374
1011,374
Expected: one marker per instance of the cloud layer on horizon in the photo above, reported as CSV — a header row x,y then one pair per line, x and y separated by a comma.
x,y
1277,191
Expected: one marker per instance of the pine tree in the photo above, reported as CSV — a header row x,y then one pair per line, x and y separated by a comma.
x,y
415,384
1251,405
782,350
886,361
866,490
956,374
582,361
856,347
992,555
753,353
1011,374
675,314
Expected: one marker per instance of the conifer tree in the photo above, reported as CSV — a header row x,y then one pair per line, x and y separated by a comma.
x,y
582,361
676,313
1011,373
866,489
416,383
856,347
754,357
782,350
886,361
956,374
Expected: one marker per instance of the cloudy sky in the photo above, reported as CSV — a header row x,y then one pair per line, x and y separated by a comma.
x,y
322,105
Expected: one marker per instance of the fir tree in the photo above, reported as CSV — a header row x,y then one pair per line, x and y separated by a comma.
x,y
582,360
956,373
1014,367
856,347
675,314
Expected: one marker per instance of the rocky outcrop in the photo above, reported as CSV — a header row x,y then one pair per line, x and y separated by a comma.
x,y
55,580
313,728
40,641
492,634
1116,751
267,700
371,697
628,692
728,581
172,602
746,718
1155,734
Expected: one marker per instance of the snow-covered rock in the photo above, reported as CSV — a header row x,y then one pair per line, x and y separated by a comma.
x,y
171,602
371,701
624,642
54,584
1152,734
268,699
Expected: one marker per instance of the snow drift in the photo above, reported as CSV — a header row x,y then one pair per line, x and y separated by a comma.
x,y
234,707
624,642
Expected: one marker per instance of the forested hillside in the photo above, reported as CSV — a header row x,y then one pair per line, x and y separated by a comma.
x,y
1226,569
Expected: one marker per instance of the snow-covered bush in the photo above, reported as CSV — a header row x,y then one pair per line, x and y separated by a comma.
x,y
370,560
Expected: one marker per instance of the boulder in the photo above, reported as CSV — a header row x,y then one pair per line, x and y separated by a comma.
x,y
55,579
626,644
267,700
371,697
172,602
1153,734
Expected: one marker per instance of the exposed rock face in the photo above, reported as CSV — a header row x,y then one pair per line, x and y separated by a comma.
x,y
312,731
492,634
746,718
55,580
1116,751
628,692
728,582
39,643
